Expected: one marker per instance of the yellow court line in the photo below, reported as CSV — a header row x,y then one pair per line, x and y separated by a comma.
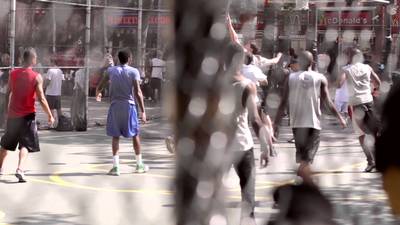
x,y
61,182
137,174
56,179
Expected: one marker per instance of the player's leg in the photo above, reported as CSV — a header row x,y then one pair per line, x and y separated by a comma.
x,y
22,157
115,151
140,166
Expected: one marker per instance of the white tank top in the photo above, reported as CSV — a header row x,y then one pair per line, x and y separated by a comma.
x,y
243,140
359,83
304,99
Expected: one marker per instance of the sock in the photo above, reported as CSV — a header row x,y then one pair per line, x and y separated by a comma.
x,y
116,160
139,159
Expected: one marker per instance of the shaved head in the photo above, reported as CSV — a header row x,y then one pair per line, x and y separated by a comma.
x,y
354,55
306,59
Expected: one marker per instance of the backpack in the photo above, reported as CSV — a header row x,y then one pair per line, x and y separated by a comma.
x,y
64,124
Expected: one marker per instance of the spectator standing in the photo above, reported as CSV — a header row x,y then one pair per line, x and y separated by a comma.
x,y
157,70
53,86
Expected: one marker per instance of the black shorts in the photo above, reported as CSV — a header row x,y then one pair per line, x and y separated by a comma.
x,y
155,83
54,101
307,143
21,132
366,119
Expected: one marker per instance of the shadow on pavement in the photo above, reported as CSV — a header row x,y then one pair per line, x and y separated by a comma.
x,y
47,219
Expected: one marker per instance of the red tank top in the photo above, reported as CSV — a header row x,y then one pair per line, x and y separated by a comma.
x,y
23,87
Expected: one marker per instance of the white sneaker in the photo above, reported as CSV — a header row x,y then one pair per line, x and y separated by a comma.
x,y
169,142
20,175
142,168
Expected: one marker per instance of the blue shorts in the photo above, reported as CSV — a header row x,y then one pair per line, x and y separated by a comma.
x,y
122,120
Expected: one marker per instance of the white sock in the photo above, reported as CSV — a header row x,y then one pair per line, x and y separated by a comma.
x,y
116,160
139,159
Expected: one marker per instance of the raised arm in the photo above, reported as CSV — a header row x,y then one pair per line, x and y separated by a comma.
x,y
102,84
327,99
265,63
234,36
42,99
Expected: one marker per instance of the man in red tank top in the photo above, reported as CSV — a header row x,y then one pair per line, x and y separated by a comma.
x,y
21,131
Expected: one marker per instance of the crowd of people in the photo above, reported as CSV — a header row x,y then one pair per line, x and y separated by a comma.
x,y
304,89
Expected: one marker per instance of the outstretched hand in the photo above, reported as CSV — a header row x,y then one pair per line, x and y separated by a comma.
x,y
144,118
98,96
51,121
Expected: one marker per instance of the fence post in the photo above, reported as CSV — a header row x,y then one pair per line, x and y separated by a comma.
x,y
87,59
13,6
139,37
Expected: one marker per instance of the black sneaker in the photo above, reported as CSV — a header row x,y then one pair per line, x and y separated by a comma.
x,y
369,168
19,174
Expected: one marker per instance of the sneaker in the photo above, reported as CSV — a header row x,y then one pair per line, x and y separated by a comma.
x,y
369,168
19,174
114,171
141,168
291,141
169,142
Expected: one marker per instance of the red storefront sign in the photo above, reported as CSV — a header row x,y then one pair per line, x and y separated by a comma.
x,y
346,20
132,20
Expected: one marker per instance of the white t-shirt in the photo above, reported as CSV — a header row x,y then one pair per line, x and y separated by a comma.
x,y
55,77
305,99
342,94
158,67
253,73
359,83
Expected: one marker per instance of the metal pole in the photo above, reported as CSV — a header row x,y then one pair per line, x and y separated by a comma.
x,y
105,30
139,35
315,44
87,58
13,6
53,8
158,27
